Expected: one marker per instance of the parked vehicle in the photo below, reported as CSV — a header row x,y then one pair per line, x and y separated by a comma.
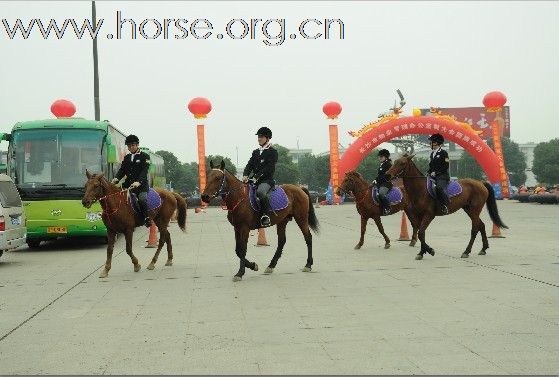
x,y
12,218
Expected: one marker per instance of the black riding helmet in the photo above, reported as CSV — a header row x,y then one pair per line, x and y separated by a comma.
x,y
437,138
131,139
384,152
264,131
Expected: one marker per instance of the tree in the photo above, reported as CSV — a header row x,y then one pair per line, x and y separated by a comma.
x,y
468,167
515,161
368,167
546,162
172,166
217,160
286,170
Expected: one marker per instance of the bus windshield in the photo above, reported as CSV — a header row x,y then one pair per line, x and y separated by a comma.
x,y
56,157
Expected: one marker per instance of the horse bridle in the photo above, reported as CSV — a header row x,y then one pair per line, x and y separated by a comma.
x,y
222,191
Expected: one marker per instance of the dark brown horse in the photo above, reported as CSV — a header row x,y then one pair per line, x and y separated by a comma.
x,y
243,218
475,194
119,217
355,183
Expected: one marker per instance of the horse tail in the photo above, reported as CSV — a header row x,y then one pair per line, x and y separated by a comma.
x,y
313,221
492,207
181,208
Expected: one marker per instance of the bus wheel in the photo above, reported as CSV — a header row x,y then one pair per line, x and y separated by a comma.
x,y
33,243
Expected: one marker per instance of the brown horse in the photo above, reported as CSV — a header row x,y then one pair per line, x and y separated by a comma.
x,y
355,183
474,196
119,217
243,218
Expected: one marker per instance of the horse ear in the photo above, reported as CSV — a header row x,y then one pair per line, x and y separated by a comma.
x,y
211,164
222,165
87,174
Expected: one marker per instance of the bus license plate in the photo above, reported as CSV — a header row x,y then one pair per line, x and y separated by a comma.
x,y
57,229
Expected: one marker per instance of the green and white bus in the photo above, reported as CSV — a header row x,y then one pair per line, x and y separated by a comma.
x,y
47,160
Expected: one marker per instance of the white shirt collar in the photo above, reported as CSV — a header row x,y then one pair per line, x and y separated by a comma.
x,y
133,154
263,147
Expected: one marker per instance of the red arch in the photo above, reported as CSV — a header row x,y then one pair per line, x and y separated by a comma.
x,y
453,131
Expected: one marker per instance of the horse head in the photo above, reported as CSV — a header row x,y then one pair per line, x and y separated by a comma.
x,y
350,182
214,181
95,188
400,166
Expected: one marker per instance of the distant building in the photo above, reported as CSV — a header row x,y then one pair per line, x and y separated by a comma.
x,y
296,153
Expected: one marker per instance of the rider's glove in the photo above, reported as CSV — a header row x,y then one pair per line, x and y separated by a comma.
x,y
135,184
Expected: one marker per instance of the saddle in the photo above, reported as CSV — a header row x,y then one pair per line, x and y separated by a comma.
x,y
277,196
454,188
154,201
394,195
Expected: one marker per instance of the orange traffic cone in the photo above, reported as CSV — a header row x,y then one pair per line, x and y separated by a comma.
x,y
404,235
496,232
152,241
261,238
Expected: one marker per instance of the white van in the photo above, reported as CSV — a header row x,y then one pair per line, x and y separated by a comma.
x,y
12,217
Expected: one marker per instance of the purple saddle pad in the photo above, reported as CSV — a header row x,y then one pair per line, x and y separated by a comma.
x,y
154,200
452,190
394,195
278,198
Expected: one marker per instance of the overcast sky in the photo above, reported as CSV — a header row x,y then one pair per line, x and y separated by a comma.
x,y
446,54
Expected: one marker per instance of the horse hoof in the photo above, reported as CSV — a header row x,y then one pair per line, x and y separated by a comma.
x,y
412,243
151,266
104,274
306,269
387,246
255,267
418,257
169,263
482,252
357,247
237,278
432,252
464,255
269,270
137,267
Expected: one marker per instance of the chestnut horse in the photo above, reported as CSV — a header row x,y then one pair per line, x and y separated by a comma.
x,y
240,214
119,217
475,194
362,192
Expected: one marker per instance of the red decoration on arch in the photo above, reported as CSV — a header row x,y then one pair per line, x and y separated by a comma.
x,y
332,109
200,107
426,125
62,108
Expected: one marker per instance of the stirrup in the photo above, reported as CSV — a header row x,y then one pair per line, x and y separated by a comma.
x,y
444,209
147,222
386,211
265,220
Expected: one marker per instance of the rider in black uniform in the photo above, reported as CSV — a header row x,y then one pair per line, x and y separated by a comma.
x,y
135,166
438,169
382,181
262,165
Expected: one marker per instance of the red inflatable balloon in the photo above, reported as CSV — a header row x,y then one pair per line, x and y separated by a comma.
x,y
332,109
200,107
63,108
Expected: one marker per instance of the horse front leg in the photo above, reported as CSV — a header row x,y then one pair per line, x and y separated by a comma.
x,y
363,230
425,221
241,240
111,238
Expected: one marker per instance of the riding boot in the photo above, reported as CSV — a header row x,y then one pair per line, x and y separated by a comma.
x,y
144,212
385,205
443,200
264,211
